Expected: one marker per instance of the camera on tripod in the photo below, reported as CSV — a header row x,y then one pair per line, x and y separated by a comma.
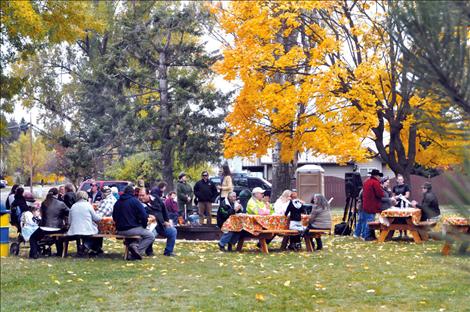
x,y
353,184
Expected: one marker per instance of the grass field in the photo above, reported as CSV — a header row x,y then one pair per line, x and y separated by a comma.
x,y
348,274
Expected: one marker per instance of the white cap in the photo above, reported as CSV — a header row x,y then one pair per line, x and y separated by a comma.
x,y
258,190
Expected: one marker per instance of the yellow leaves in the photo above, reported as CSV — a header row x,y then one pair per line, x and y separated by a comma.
x,y
259,297
287,284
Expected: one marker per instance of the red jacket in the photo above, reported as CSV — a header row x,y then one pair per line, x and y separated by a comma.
x,y
372,195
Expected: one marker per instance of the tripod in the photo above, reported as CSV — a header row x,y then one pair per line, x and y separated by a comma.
x,y
350,215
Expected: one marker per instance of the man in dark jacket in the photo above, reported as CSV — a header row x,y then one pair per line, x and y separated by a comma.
x,y
131,219
372,195
429,205
205,192
95,193
228,207
155,207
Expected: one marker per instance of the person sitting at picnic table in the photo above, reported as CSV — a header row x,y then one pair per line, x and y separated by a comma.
x,y
429,205
115,192
82,221
159,190
320,217
53,214
69,196
105,208
131,219
388,200
280,206
31,218
229,206
61,193
256,205
294,211
155,207
172,207
94,194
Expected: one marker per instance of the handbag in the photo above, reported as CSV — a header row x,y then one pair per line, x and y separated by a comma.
x,y
342,229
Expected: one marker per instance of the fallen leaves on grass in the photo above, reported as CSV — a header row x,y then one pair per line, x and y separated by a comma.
x,y
370,291
260,297
287,283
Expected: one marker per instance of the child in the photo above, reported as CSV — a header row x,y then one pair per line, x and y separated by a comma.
x,y
294,211
320,218
30,220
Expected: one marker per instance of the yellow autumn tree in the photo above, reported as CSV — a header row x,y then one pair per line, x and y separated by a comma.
x,y
322,76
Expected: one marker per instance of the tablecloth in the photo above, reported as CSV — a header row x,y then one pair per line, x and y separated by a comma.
x,y
106,226
414,213
253,224
456,221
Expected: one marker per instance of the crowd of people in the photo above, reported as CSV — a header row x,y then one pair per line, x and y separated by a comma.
x,y
141,211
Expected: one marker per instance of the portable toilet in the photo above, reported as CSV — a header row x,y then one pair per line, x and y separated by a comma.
x,y
310,180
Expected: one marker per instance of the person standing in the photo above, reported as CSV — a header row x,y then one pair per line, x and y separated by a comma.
x,y
11,197
205,192
429,205
401,189
371,202
82,221
227,208
18,206
155,207
184,195
130,218
227,184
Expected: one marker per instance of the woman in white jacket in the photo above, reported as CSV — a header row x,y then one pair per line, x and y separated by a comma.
x,y
280,206
82,220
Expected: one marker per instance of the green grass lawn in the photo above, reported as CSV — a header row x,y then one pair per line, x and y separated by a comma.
x,y
348,274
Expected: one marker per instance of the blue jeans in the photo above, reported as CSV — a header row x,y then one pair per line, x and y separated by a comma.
x,y
229,237
362,228
170,234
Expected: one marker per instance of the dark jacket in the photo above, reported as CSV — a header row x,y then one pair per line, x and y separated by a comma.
x,y
372,196
20,202
157,208
429,206
129,213
18,206
69,199
226,209
98,197
205,191
294,213
386,200
54,214
182,191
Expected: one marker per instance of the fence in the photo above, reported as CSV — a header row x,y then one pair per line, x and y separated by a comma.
x,y
334,187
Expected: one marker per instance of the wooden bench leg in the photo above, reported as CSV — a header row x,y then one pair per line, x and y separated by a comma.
x,y
416,237
285,241
240,243
308,243
424,234
65,248
446,249
383,235
264,245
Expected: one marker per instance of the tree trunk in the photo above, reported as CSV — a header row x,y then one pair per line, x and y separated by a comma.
x,y
166,140
281,173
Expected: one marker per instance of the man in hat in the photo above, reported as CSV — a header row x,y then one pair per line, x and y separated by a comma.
x,y
429,205
256,204
372,195
184,195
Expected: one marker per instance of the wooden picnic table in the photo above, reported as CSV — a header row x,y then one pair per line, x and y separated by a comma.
x,y
452,227
265,228
407,219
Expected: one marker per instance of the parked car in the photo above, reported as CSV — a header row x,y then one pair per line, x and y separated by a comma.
x,y
121,185
3,183
241,181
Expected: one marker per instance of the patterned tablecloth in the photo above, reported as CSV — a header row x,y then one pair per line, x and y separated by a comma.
x,y
456,221
414,213
106,226
253,224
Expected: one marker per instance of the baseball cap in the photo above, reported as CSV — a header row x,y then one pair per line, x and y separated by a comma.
x,y
258,190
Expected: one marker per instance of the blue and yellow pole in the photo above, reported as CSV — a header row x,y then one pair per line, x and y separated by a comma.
x,y
4,229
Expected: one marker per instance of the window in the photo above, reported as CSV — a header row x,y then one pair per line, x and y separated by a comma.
x,y
253,182
243,182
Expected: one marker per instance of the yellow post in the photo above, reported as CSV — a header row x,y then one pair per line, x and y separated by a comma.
x,y
4,228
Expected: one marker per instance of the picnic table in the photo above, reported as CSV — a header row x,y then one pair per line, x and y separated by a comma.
x,y
452,227
264,228
403,219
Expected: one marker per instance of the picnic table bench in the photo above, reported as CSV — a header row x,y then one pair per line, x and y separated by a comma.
x,y
67,238
264,235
